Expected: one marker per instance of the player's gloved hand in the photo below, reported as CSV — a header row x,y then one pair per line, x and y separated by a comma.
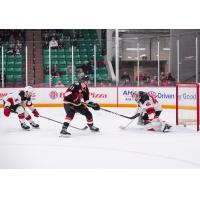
x,y
135,116
7,111
93,105
35,113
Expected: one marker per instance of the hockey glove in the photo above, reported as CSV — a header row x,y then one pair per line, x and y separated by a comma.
x,y
93,105
35,113
7,111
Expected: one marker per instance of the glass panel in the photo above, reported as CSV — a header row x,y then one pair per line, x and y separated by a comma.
x,y
13,60
187,58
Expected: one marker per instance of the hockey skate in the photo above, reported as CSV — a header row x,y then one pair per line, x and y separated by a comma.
x,y
64,133
34,125
24,126
166,128
93,128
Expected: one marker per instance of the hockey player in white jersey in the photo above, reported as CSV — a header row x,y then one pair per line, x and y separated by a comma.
x,y
17,102
149,110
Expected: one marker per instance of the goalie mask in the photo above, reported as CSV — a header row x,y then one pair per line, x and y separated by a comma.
x,y
136,96
28,91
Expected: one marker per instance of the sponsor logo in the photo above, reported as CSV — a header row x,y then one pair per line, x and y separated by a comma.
x,y
53,94
189,96
128,95
3,94
96,95
152,94
160,95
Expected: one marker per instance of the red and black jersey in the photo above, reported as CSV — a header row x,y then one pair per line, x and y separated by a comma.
x,y
76,92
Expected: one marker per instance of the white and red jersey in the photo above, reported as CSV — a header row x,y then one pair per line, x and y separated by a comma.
x,y
148,104
18,98
156,104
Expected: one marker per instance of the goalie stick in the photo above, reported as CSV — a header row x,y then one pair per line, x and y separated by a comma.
x,y
132,119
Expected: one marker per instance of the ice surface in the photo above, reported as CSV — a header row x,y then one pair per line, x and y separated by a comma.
x,y
110,148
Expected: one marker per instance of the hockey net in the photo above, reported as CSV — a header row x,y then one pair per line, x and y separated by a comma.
x,y
187,104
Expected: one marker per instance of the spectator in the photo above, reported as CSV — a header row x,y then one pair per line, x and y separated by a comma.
x,y
59,83
45,37
141,77
53,43
46,70
154,81
147,81
20,36
169,77
11,39
81,72
125,76
16,51
45,45
55,72
18,44
60,43
69,69
127,82
162,76
85,67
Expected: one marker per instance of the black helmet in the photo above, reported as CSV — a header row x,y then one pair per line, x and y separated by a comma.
x,y
84,78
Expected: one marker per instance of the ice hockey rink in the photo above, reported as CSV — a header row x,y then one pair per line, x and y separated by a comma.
x,y
110,148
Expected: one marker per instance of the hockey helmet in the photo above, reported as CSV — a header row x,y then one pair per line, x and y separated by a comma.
x,y
28,90
136,96
84,78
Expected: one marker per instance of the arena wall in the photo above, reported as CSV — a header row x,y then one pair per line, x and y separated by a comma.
x,y
105,96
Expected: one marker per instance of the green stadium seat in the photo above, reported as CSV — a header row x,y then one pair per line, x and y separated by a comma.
x,y
54,62
61,56
18,57
54,56
62,62
18,77
17,71
62,69
54,51
68,56
9,77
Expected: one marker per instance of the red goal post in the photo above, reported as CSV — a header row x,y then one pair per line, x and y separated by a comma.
x,y
187,104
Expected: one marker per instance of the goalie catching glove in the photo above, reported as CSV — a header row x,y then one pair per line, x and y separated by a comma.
x,y
93,105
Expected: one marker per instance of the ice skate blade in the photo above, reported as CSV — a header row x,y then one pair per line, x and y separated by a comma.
x,y
64,136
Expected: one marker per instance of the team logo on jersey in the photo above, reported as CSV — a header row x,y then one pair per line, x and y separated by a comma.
x,y
53,94
152,94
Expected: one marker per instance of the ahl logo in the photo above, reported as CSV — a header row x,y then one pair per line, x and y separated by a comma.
x,y
152,94
53,94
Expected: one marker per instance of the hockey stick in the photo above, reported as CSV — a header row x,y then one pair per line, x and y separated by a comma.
x,y
132,119
109,111
124,127
116,113
84,128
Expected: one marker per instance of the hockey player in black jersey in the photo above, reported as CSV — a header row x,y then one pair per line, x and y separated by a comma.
x,y
72,104
16,102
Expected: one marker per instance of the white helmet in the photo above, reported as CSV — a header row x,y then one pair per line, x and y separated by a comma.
x,y
136,96
28,89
